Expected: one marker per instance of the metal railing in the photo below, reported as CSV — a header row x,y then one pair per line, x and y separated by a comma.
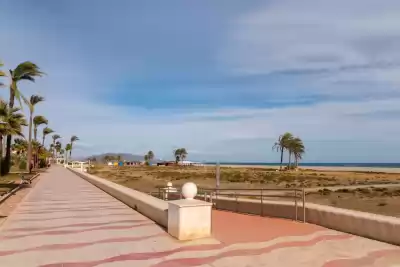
x,y
211,195
295,194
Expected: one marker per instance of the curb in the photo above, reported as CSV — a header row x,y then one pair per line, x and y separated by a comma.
x,y
6,196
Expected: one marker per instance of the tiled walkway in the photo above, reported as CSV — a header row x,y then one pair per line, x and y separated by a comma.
x,y
65,221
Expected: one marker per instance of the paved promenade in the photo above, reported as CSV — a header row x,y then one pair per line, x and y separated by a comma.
x,y
65,221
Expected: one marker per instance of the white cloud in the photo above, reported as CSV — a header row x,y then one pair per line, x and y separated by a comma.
x,y
303,35
314,35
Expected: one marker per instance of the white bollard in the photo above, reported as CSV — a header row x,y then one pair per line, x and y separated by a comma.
x,y
189,218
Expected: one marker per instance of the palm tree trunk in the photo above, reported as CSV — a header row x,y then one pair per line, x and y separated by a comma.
x,y
29,144
290,159
70,152
7,160
280,168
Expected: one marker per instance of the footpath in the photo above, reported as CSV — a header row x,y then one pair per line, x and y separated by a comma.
x,y
66,221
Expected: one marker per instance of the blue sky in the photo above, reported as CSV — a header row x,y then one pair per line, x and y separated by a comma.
x,y
221,78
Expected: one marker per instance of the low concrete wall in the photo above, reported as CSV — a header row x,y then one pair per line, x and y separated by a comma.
x,y
153,208
374,226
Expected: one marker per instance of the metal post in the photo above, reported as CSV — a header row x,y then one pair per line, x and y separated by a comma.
x,y
217,176
159,193
236,201
304,205
295,201
262,204
205,195
216,199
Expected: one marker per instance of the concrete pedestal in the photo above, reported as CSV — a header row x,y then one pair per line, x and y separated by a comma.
x,y
189,219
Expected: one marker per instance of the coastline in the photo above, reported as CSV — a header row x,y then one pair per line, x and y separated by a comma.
x,y
318,168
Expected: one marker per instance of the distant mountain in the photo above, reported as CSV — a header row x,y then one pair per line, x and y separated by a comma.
x,y
124,156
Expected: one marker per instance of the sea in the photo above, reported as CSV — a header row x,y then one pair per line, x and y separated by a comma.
x,y
375,165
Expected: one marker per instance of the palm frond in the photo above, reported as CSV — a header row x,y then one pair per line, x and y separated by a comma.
x,y
39,119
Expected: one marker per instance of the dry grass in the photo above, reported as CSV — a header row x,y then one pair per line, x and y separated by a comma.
x,y
382,201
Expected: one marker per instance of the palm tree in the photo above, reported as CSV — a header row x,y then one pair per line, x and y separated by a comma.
x,y
180,154
57,148
177,155
298,149
74,138
150,155
53,146
282,144
11,124
68,148
2,73
25,71
31,103
46,131
37,121
20,146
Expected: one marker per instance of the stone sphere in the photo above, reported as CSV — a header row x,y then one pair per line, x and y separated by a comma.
x,y
169,184
189,190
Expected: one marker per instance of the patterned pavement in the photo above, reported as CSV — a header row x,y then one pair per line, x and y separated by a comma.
x,y
65,221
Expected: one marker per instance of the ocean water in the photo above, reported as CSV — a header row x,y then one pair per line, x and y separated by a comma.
x,y
375,165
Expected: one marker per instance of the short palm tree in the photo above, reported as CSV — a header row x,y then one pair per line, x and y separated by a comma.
x,y
180,154
282,144
74,138
20,146
31,103
150,155
27,71
11,124
46,131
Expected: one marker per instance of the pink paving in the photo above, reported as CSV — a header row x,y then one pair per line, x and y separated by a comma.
x,y
65,221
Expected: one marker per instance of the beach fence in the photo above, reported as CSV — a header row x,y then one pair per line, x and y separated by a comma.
x,y
244,200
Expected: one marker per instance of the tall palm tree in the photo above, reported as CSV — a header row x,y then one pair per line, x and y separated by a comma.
x,y
37,121
282,144
74,138
68,148
31,103
25,71
298,149
2,73
46,131
177,155
57,148
12,122
53,146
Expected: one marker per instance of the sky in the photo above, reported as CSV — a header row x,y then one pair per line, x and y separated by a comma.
x,y
222,78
